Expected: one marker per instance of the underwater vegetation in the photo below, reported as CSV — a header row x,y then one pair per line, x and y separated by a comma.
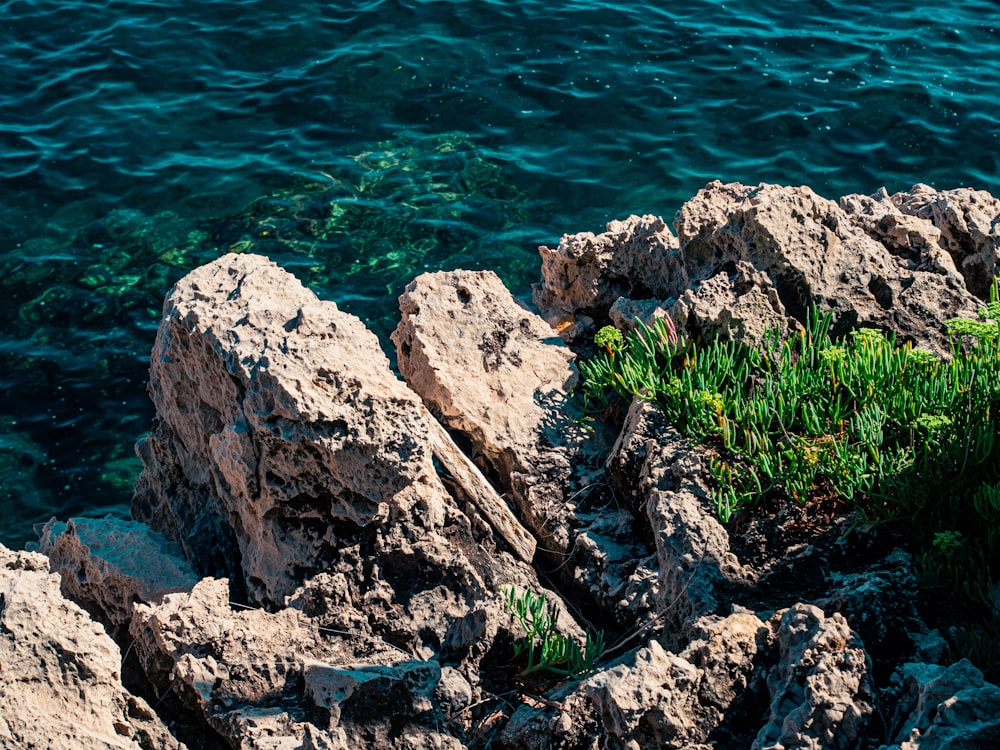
x,y
79,307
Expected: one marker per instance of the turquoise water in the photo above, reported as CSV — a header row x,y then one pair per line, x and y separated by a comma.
x,y
360,143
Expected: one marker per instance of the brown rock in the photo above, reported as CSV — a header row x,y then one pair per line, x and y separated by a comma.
x,y
108,564
60,673
967,222
815,254
497,375
657,473
586,273
284,444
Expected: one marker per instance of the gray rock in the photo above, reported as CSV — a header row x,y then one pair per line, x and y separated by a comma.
x,y
743,306
60,673
280,426
906,263
951,708
967,222
820,689
656,472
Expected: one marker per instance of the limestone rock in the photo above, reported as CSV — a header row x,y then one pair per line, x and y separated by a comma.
x,y
820,689
658,474
743,306
284,447
815,254
967,222
490,371
650,700
498,376
107,564
624,312
949,708
586,273
652,697
245,671
906,262
60,673
279,424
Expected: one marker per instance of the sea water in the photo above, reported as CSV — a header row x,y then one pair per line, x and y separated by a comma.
x,y
359,143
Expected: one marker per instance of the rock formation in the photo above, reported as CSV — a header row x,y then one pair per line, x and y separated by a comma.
x,y
319,548
497,376
60,673
744,255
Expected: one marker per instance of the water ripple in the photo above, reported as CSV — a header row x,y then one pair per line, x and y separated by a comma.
x,y
127,127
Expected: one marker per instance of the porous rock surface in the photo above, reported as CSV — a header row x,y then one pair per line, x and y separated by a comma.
x,y
904,263
497,375
60,673
352,567
108,564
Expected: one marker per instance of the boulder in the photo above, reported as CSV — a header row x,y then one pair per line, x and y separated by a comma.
x,y
755,256
814,254
651,697
255,676
820,689
60,673
741,306
499,378
581,278
965,221
946,708
284,446
108,564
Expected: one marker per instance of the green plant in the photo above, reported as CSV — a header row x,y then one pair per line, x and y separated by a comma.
x,y
546,648
610,339
906,436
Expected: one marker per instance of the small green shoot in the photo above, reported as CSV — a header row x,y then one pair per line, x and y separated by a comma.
x,y
546,648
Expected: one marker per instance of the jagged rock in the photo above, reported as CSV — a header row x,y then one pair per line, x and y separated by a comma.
x,y
656,472
820,689
951,708
284,443
498,376
624,312
875,603
652,697
906,263
815,254
237,667
679,701
916,241
60,673
106,565
741,306
278,420
487,368
586,273
967,222
651,701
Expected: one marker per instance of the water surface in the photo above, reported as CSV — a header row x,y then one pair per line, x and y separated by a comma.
x,y
360,143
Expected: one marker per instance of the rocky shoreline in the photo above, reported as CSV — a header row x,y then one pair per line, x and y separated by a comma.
x,y
318,548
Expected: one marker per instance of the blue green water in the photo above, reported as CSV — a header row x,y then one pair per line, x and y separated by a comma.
x,y
359,143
